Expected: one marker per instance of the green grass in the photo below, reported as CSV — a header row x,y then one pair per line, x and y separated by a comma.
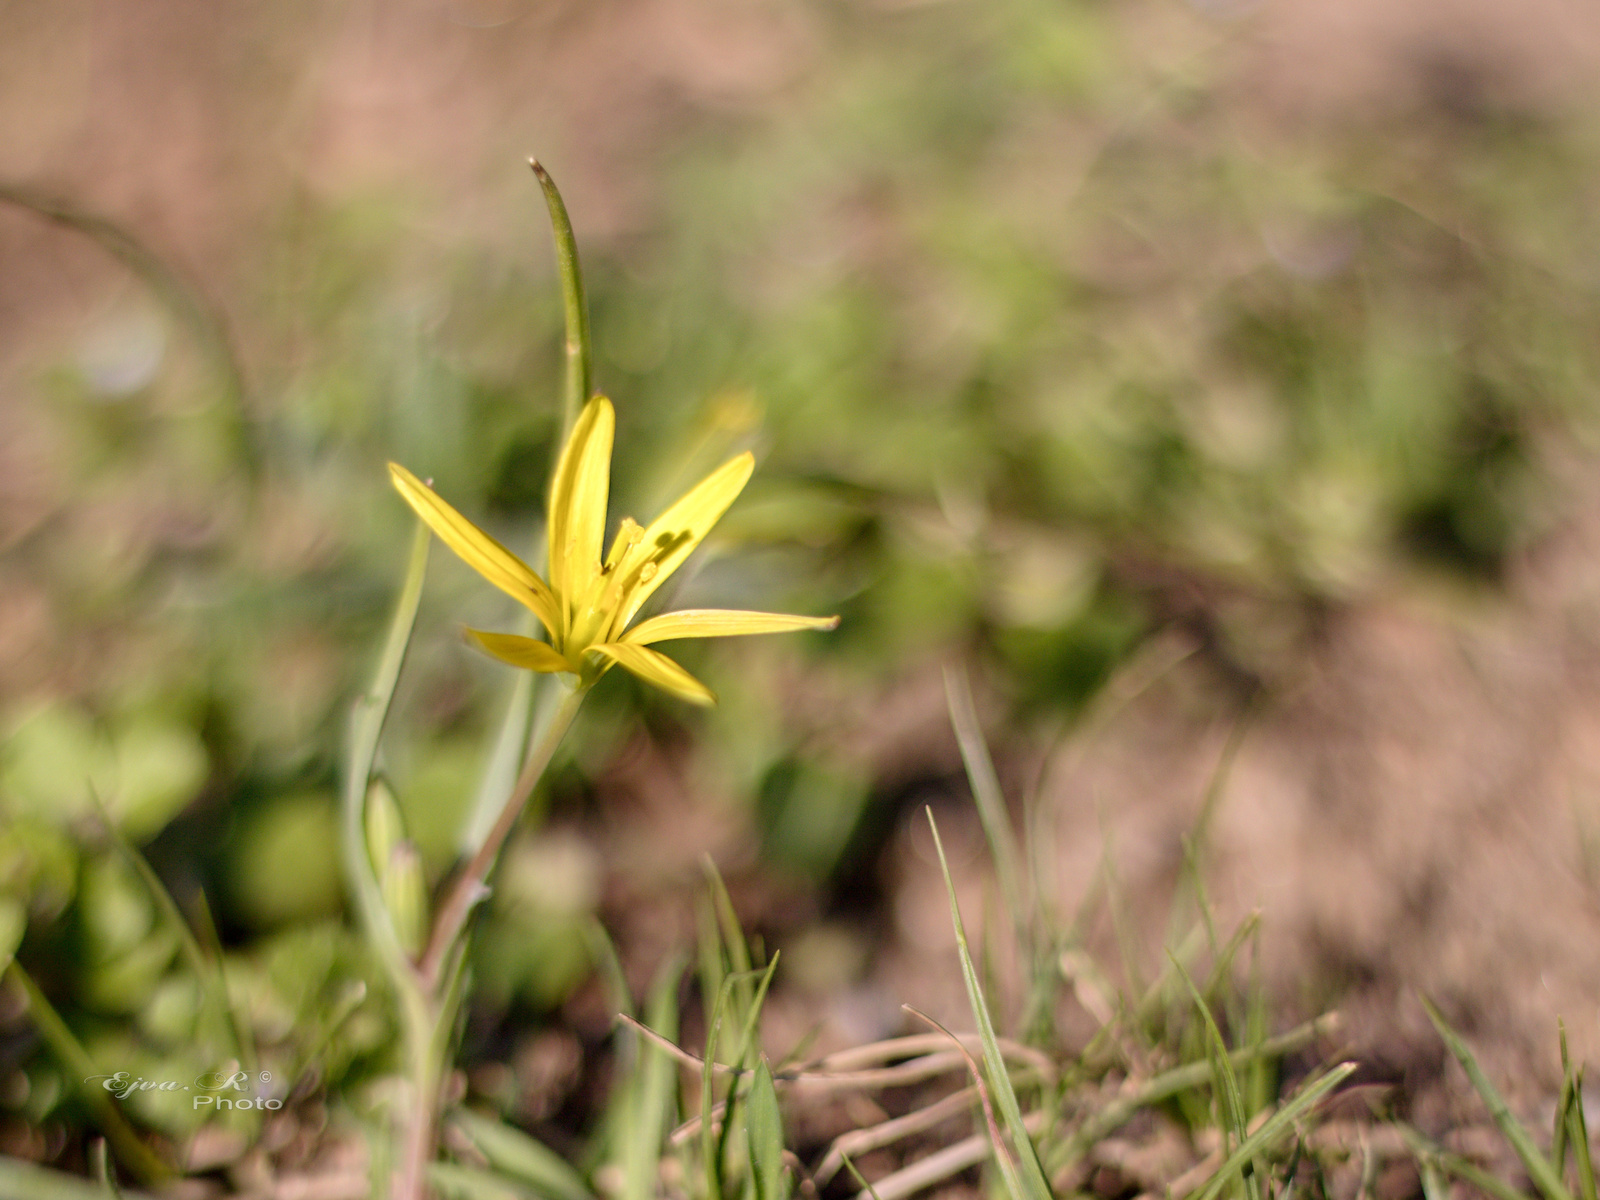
x,y
713,1125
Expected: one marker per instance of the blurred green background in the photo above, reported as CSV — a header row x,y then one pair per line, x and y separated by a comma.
x,y
1054,324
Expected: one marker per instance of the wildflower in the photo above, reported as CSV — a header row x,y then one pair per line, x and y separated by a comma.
x,y
589,601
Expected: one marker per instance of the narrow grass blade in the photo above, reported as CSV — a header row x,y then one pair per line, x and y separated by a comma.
x,y
207,968
450,992
647,1104
723,949
1545,1177
453,1181
512,1152
1231,1116
1221,972
1571,1124
205,932
1428,1153
1217,784
333,1018
709,950
1435,1186
1202,901
985,784
861,1180
749,1036
1558,1132
1003,1158
505,759
1216,991
13,928
603,952
377,927
1036,1187
1261,1083
21,1180
764,1124
733,939
131,1152
1164,991
711,1144
1116,1113
1579,1136
1276,1126
100,1158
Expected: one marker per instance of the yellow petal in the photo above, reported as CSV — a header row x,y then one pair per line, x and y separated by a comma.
x,y
519,651
720,622
657,670
477,549
673,536
578,502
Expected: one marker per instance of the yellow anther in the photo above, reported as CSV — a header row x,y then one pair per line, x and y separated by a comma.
x,y
629,534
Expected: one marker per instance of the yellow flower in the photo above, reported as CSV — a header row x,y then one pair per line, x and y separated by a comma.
x,y
588,603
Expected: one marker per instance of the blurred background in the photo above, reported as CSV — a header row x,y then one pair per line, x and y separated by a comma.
x,y
1213,382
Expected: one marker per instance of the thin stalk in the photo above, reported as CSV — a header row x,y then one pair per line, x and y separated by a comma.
x,y
429,1029
986,794
1120,1109
417,1013
431,992
131,1152
531,695
526,698
580,361
366,726
419,1122
470,886
207,968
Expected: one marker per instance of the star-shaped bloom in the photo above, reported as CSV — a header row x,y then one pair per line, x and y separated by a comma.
x,y
589,602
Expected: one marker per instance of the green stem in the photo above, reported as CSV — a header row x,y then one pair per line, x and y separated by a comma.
x,y
528,697
418,1017
419,1120
431,992
470,886
133,1153
207,968
580,362
365,728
